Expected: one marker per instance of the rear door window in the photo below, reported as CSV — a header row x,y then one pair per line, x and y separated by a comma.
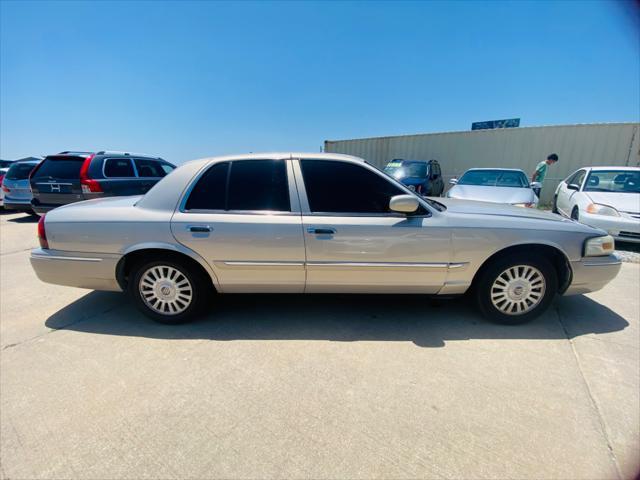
x,y
149,168
258,185
60,167
118,168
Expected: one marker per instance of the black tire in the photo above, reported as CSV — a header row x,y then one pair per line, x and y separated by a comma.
x,y
554,207
575,214
485,282
200,288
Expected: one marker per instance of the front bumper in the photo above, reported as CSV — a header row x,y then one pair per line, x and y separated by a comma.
x,y
592,273
76,269
625,229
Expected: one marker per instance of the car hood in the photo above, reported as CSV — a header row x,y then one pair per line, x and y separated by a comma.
x,y
624,202
492,194
472,207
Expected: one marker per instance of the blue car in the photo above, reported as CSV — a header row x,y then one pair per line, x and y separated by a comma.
x,y
423,176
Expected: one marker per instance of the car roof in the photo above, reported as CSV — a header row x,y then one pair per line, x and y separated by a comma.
x,y
104,152
411,161
281,156
596,169
497,168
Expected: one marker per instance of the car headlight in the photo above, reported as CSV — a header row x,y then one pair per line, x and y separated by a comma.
x,y
526,205
597,209
598,246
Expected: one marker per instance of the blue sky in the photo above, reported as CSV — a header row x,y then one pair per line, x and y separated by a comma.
x,y
190,79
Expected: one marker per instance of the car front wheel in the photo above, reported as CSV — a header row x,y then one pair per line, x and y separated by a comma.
x,y
167,291
516,289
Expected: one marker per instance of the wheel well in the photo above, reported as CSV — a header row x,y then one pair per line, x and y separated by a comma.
x,y
556,256
123,269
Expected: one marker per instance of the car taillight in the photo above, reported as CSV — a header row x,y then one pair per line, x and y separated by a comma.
x,y
42,233
5,189
88,184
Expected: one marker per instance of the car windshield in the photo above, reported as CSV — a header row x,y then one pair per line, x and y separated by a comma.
x,y
623,181
399,169
20,171
494,178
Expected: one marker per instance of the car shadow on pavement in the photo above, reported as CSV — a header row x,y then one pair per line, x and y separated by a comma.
x,y
339,318
25,219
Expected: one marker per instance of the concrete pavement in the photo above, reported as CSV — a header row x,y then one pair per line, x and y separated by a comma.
x,y
312,386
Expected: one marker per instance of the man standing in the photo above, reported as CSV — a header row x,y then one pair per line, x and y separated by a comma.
x,y
541,172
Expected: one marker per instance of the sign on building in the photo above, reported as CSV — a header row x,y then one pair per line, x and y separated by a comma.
x,y
507,123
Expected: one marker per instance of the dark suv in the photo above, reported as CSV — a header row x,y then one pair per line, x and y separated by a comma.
x,y
423,176
69,177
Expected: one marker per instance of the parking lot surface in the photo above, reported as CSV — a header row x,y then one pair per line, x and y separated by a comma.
x,y
312,386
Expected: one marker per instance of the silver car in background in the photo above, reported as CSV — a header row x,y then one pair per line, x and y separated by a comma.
x,y
15,186
314,223
497,185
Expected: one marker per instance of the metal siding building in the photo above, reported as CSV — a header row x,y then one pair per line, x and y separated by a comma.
x,y
576,145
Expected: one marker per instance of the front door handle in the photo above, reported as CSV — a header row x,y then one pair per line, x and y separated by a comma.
x,y
321,231
199,228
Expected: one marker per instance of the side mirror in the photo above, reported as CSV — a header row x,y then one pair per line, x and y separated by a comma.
x,y
453,181
404,203
573,186
536,185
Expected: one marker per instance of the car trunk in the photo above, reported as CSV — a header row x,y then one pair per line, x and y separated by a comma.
x,y
57,180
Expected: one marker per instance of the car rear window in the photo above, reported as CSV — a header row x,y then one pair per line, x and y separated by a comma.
x,y
60,167
20,171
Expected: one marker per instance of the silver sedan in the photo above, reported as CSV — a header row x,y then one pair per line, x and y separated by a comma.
x,y
498,185
315,223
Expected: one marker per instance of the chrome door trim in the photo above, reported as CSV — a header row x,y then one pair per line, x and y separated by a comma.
x,y
294,199
378,264
302,191
73,259
263,264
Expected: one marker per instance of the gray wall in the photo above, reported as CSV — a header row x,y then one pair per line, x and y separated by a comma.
x,y
576,145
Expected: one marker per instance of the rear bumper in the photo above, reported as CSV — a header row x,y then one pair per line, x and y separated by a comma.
x,y
18,205
592,273
76,269
41,209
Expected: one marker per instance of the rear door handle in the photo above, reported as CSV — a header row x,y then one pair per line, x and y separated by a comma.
x,y
200,228
321,231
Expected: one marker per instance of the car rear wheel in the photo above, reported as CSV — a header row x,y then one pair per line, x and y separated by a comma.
x,y
516,289
167,291
554,207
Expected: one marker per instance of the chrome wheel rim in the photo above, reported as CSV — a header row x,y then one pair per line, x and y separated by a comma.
x,y
165,290
518,290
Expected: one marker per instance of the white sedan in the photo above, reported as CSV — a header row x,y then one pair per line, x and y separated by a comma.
x,y
603,197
